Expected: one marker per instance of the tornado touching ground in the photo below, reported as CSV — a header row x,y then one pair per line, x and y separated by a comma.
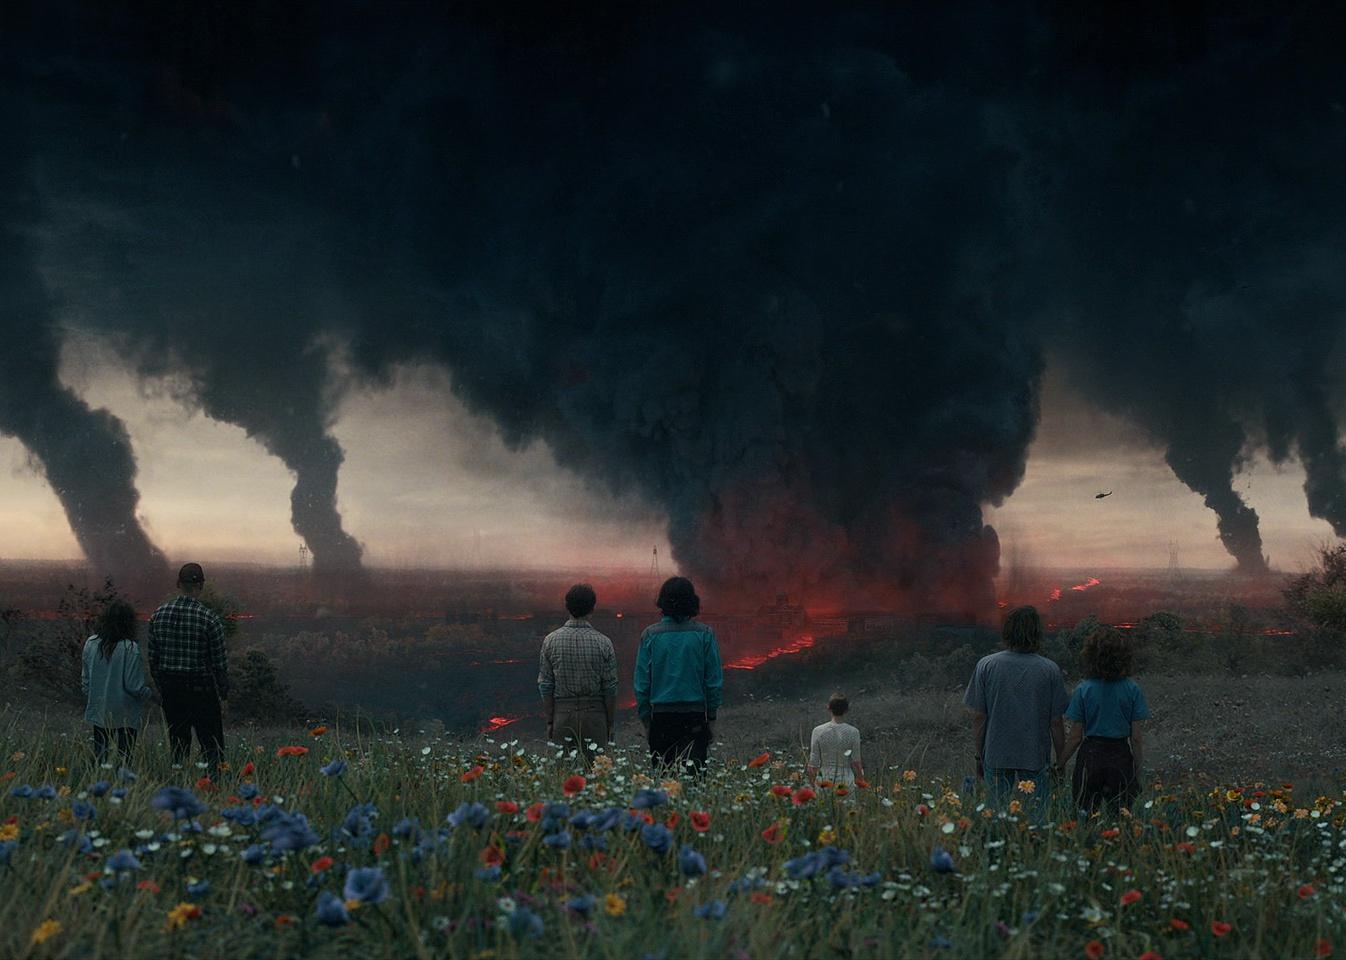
x,y
792,280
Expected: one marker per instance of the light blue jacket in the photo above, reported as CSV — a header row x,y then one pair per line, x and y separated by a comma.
x,y
678,669
116,687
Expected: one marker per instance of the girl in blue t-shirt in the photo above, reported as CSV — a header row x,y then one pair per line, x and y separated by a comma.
x,y
1105,712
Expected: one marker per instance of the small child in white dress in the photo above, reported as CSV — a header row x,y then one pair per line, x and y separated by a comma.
x,y
834,753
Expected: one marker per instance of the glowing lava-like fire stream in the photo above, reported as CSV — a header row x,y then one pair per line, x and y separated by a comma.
x,y
753,661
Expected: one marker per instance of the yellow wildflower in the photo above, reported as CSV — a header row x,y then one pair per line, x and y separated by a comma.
x,y
17,755
987,814
45,931
1301,814
353,904
1015,806
84,887
62,771
10,831
603,765
64,791
179,915
614,904
672,787
65,816
828,835
909,775
1026,786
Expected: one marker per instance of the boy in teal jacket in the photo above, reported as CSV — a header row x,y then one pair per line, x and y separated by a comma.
x,y
678,679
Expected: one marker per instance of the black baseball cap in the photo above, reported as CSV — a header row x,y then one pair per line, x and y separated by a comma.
x,y
191,573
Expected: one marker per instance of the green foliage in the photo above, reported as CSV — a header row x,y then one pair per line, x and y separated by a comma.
x,y
1319,596
1077,634
258,693
52,658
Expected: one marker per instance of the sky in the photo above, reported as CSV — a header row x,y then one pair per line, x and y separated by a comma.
x,y
803,301
428,483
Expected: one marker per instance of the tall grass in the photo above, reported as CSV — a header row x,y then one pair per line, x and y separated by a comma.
x,y
1256,858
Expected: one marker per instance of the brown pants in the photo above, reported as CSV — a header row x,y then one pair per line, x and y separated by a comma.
x,y
581,722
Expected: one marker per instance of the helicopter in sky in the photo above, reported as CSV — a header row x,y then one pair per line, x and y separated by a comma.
x,y
1100,496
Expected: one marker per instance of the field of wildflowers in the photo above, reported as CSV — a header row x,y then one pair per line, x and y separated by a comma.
x,y
325,844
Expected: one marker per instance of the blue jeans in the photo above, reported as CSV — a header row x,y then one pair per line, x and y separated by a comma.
x,y
1002,787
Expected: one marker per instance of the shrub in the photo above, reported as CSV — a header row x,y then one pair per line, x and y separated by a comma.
x,y
257,691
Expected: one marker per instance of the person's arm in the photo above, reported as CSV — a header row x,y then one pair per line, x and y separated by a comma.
x,y
857,768
1137,747
712,680
1059,739
86,667
641,682
219,657
152,649
610,688
546,687
979,742
1072,743
815,758
135,674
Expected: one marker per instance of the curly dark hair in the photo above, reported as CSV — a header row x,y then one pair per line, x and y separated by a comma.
x,y
1106,654
580,600
117,623
678,599
1022,630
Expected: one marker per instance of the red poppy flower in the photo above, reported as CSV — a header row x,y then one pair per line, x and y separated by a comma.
x,y
1130,897
284,920
573,785
862,783
247,770
149,885
205,786
1305,891
381,844
1179,925
700,821
761,760
824,784
291,751
671,894
780,790
317,731
673,820
1323,948
802,796
760,896
257,800
321,864
1185,847
1150,955
472,774
1094,949
492,856
922,809
1219,928
506,806
1112,833
534,812
772,834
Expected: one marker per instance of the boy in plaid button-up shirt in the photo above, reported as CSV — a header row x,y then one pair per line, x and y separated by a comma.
x,y
189,666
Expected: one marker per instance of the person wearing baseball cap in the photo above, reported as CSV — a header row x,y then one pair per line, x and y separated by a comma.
x,y
189,665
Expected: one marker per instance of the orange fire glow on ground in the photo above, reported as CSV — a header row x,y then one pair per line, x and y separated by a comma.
x,y
499,723
753,661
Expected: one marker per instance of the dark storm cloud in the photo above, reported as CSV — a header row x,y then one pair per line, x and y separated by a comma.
x,y
787,278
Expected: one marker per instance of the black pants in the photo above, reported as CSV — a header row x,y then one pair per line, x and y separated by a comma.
x,y
1105,774
679,738
191,703
126,742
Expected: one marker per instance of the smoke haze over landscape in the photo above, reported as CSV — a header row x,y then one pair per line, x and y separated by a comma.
x,y
791,287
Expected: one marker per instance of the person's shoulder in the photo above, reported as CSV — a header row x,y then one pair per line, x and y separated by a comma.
x,y
990,658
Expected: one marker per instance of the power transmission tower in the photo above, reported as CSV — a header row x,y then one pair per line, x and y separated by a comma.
x,y
303,556
654,564
1174,568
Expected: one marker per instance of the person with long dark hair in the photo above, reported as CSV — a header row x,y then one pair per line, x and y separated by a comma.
x,y
1105,712
678,679
113,680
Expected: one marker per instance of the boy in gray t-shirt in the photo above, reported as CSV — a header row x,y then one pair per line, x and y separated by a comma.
x,y
1017,698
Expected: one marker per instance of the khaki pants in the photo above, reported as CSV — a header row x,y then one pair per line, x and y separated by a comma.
x,y
581,722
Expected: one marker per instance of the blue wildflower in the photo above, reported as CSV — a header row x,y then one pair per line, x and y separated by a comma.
x,y
198,889
657,837
472,814
646,798
45,792
82,810
247,790
331,910
6,849
359,819
118,793
126,775
334,769
525,924
73,838
583,820
941,860
1030,918
969,784
99,788
290,832
488,874
183,804
712,910
23,791
561,841
608,819
582,905
940,943
123,861
404,828
254,854
366,884
243,816
593,841
691,863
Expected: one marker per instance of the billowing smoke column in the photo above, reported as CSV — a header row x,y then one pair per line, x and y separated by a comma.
x,y
85,454
789,278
